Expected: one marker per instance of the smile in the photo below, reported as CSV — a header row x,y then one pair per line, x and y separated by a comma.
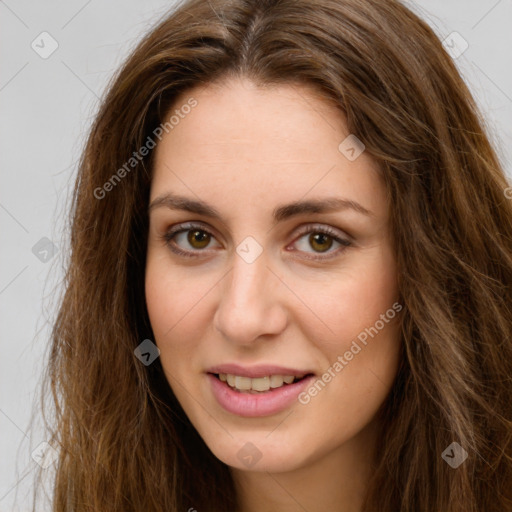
x,y
258,385
259,395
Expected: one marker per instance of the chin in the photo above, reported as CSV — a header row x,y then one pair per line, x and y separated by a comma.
x,y
262,451
258,457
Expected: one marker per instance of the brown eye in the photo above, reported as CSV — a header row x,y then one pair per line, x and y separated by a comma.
x,y
320,242
198,239
190,240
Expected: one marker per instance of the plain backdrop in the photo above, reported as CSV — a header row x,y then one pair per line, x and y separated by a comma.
x,y
47,105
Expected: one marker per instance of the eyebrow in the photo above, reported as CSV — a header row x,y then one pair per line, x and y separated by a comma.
x,y
286,211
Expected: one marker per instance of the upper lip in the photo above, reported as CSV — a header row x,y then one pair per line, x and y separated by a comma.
x,y
262,370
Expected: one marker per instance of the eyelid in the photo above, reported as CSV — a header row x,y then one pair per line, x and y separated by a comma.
x,y
323,228
189,225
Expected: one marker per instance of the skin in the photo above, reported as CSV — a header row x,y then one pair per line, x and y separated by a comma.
x,y
246,150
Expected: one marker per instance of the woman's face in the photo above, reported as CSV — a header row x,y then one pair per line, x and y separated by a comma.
x,y
269,260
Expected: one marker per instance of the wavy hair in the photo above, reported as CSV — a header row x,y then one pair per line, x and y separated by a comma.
x,y
124,442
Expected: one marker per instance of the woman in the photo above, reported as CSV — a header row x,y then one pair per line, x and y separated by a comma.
x,y
290,272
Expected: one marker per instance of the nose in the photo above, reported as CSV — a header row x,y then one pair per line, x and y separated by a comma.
x,y
251,304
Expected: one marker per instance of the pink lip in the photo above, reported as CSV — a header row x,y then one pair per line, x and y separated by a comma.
x,y
254,405
257,371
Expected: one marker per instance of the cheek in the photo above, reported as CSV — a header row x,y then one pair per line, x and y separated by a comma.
x,y
180,312
172,300
360,344
354,298
162,290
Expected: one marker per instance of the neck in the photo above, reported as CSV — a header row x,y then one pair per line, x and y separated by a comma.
x,y
334,481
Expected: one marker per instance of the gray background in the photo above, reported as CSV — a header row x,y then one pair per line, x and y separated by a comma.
x,y
47,106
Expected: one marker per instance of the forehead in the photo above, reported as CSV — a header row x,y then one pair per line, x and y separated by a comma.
x,y
237,115
264,145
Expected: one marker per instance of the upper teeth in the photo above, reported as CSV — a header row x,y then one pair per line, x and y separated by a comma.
x,y
259,384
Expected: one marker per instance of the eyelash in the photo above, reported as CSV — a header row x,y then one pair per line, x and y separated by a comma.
x,y
312,228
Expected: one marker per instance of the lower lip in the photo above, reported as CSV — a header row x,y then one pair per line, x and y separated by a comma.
x,y
252,405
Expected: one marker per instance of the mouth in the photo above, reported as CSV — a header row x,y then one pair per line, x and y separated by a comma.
x,y
258,385
258,391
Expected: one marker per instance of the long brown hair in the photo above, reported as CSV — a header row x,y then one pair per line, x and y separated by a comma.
x,y
125,443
